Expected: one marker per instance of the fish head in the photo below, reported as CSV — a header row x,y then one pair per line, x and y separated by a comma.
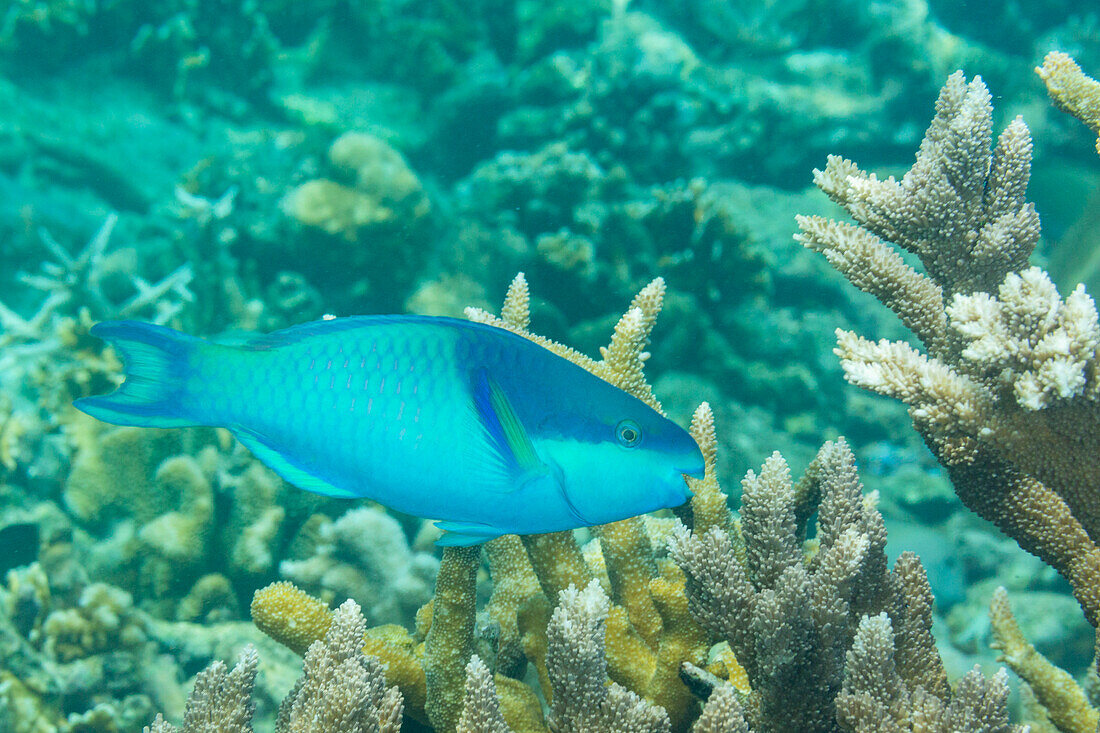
x,y
627,461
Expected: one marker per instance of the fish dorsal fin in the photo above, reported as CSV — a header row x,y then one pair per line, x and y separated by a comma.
x,y
303,331
508,439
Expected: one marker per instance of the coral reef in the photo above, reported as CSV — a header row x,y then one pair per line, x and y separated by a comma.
x,y
382,188
812,627
1006,395
238,167
341,689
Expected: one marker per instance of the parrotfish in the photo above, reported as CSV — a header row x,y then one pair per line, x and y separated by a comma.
x,y
470,425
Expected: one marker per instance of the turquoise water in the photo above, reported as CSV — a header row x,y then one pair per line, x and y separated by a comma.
x,y
233,168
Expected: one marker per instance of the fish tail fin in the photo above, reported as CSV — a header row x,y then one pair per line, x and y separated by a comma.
x,y
157,363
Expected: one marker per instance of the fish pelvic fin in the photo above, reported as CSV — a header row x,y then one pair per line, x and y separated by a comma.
x,y
157,362
466,534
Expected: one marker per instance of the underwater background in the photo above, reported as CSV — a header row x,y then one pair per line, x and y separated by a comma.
x,y
228,168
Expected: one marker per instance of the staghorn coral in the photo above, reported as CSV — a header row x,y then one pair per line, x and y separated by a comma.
x,y
722,713
582,699
1072,90
341,689
79,282
798,615
628,651
1061,699
480,706
449,641
1006,396
221,701
876,698
649,631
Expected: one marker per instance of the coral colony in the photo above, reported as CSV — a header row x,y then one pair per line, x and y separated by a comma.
x,y
260,176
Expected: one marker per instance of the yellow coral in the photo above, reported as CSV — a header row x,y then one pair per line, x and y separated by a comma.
x,y
1064,701
630,568
334,208
290,616
682,641
623,360
398,651
1072,90
708,503
447,647
514,586
383,189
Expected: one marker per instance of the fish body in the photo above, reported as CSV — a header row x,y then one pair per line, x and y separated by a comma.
x,y
436,417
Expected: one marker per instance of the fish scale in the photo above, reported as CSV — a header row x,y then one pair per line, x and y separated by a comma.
x,y
455,421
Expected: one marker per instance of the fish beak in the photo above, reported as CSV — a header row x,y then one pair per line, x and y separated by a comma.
x,y
696,473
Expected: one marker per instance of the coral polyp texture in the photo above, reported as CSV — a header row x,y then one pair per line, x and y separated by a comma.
x,y
1072,90
1006,394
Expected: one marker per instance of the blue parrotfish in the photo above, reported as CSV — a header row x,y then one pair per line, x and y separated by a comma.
x,y
470,425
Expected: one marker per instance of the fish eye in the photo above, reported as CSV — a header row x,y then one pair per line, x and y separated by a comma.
x,y
628,433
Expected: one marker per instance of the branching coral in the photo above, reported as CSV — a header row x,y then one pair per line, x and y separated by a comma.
x,y
628,651
1007,395
1072,90
876,697
583,700
649,631
220,701
1063,701
829,638
78,281
341,689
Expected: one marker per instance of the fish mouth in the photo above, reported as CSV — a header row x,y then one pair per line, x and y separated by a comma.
x,y
696,472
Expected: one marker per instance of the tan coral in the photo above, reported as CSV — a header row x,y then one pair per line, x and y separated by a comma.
x,y
1072,90
221,700
1007,395
1061,698
381,189
448,646
791,619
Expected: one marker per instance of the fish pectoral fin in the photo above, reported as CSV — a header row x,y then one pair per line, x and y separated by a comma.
x,y
511,451
285,467
465,534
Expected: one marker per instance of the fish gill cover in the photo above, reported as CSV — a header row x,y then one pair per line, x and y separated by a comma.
x,y
232,168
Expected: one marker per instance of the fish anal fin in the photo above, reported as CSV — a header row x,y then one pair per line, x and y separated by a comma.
x,y
285,467
465,534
